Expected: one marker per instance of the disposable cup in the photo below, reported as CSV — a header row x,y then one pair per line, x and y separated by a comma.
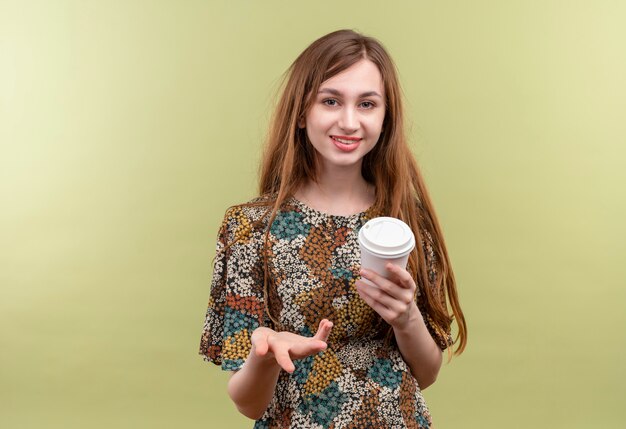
x,y
384,240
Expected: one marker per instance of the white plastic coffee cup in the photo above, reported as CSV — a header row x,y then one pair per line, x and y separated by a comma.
x,y
385,240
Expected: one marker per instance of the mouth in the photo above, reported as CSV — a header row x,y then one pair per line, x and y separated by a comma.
x,y
346,144
346,140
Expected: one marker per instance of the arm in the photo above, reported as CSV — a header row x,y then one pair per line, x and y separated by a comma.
x,y
418,349
252,387
393,300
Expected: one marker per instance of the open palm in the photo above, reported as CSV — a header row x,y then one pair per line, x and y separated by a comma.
x,y
285,347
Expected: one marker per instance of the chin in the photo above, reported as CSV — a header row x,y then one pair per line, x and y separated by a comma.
x,y
347,163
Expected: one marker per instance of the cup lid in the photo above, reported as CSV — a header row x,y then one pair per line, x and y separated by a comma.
x,y
387,236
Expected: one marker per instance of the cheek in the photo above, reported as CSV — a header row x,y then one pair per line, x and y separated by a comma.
x,y
375,131
315,123
376,123
381,121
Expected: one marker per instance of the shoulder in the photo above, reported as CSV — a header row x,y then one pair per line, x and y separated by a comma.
x,y
253,210
242,220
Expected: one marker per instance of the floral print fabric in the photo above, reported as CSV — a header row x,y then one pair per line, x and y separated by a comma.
x,y
360,380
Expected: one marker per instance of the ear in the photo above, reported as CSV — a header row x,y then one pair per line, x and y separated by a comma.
x,y
301,123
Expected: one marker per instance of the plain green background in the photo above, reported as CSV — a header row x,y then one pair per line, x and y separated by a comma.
x,y
128,127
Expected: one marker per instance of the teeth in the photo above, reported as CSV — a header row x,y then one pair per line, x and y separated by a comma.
x,y
345,141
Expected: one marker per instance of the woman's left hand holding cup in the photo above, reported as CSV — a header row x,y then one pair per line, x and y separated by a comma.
x,y
393,298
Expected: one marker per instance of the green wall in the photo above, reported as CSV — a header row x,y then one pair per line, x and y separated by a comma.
x,y
128,127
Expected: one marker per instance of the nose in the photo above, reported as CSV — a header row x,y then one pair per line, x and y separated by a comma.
x,y
348,120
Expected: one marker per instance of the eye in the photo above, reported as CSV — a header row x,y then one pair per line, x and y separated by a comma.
x,y
367,105
330,102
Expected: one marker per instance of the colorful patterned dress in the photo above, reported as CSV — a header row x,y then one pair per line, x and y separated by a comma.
x,y
360,380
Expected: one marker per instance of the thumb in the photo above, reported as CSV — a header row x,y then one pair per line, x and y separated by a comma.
x,y
260,344
323,331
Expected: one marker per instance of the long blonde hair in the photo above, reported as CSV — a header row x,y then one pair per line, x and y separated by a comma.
x,y
289,161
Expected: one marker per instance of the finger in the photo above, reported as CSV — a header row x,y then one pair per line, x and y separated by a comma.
x,y
282,358
403,277
260,344
314,346
323,331
396,303
379,296
379,308
389,287
308,347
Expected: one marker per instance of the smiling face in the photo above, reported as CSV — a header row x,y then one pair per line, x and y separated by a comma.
x,y
345,120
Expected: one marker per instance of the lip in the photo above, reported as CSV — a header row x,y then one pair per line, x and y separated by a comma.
x,y
356,141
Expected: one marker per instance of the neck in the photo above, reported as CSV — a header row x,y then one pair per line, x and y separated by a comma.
x,y
339,191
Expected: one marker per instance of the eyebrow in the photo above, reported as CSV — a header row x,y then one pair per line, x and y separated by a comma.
x,y
338,93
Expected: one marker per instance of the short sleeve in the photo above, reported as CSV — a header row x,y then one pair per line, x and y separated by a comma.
x,y
443,337
236,304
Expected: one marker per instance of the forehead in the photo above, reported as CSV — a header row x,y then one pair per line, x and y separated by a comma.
x,y
360,77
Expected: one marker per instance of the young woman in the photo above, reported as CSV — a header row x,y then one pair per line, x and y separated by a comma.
x,y
309,344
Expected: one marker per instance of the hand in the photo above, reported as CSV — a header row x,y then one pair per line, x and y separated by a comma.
x,y
285,346
392,299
